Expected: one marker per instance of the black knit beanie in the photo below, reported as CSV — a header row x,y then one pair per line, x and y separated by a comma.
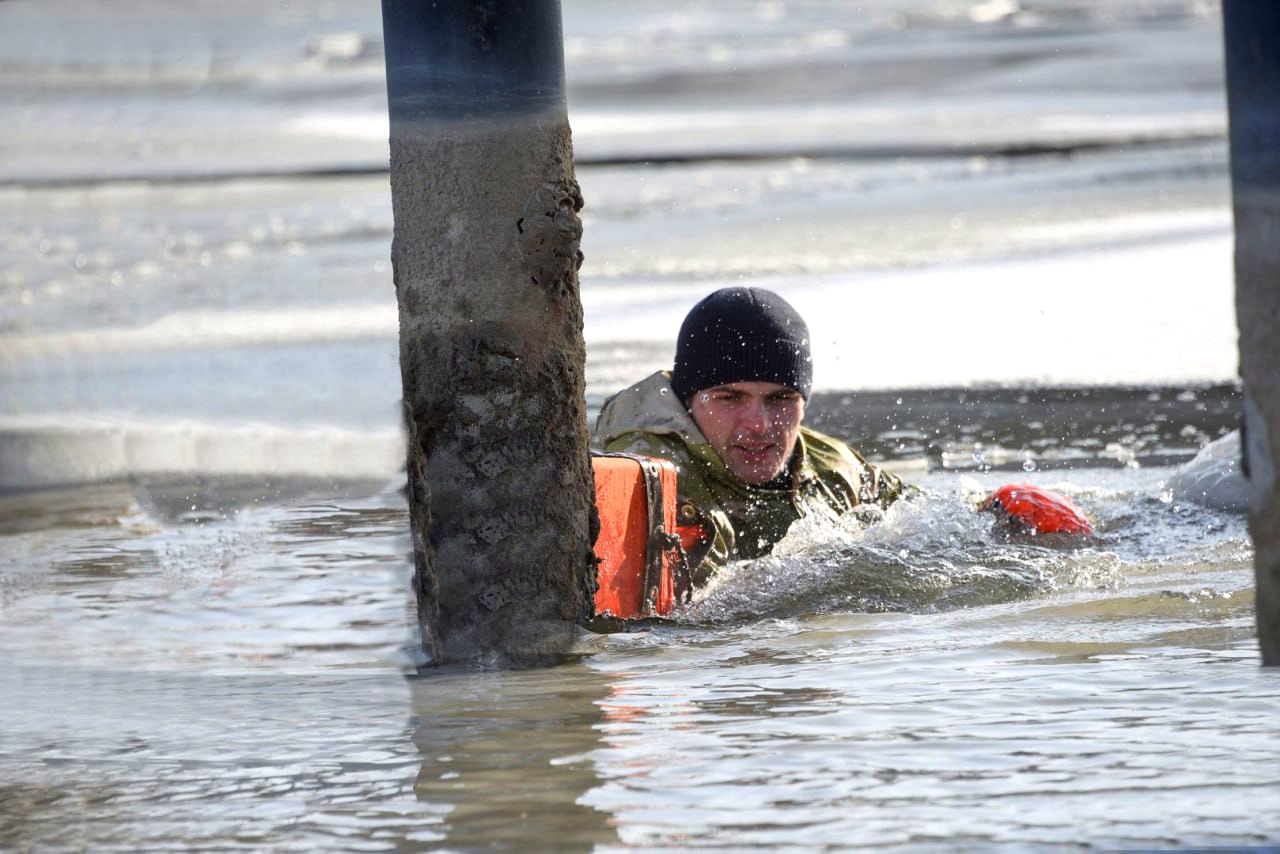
x,y
742,335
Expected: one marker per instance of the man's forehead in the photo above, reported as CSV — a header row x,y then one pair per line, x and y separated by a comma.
x,y
753,387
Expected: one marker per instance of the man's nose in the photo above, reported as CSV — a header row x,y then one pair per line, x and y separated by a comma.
x,y
755,417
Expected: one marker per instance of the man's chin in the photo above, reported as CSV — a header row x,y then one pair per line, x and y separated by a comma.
x,y
755,474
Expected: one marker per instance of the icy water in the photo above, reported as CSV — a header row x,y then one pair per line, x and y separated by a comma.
x,y
1008,224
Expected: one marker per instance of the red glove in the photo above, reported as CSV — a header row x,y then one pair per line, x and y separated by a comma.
x,y
1038,510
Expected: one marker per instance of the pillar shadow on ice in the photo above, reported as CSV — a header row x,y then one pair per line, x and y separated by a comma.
x,y
486,257
1252,33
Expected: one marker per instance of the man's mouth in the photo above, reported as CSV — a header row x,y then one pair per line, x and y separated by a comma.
x,y
755,453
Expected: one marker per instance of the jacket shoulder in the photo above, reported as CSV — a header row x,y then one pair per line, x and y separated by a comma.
x,y
649,406
830,452
832,458
662,445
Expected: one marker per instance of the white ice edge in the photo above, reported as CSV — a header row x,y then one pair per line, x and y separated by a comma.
x,y
211,329
1155,313
1158,312
41,451
596,130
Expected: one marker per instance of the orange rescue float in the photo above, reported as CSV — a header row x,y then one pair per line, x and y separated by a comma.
x,y
1038,510
636,499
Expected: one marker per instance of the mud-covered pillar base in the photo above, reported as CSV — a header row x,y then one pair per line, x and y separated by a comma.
x,y
1252,33
485,259
1261,432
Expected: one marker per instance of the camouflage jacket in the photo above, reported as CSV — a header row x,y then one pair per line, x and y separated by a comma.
x,y
828,478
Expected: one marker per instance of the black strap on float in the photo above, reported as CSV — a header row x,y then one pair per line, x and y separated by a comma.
x,y
659,541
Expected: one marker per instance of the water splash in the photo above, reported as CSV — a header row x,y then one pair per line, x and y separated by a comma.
x,y
927,553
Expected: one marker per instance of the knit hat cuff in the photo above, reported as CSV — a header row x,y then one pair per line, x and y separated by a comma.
x,y
742,335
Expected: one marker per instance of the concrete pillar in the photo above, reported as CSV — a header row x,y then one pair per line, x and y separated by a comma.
x,y
486,259
1252,34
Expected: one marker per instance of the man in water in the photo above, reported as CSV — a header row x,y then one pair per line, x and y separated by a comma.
x,y
729,416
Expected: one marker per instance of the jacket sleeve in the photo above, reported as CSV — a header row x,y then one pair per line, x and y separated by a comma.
x,y
884,488
865,482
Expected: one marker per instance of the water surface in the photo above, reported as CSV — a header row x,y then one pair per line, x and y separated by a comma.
x,y
1008,224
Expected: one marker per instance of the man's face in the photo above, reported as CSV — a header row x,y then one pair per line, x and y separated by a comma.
x,y
752,426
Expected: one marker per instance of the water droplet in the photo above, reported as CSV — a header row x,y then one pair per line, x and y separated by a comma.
x,y
1028,464
705,397
662,391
